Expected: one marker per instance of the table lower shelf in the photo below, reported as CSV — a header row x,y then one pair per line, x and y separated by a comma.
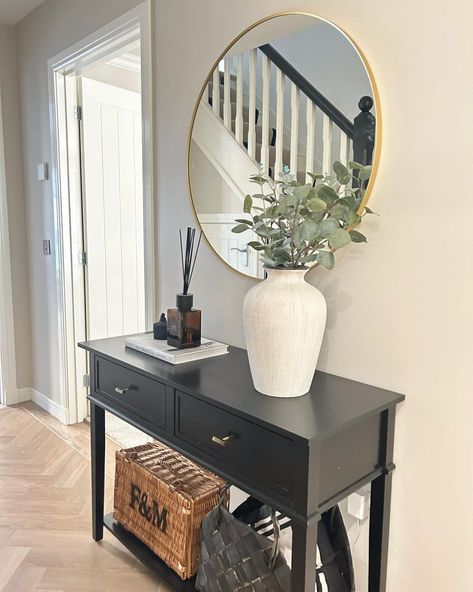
x,y
147,557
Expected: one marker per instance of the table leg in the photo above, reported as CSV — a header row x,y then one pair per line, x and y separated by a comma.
x,y
97,445
304,552
379,532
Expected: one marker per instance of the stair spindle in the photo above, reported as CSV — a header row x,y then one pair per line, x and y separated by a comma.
x,y
327,136
344,148
252,103
216,92
266,73
310,139
280,90
295,108
227,106
239,100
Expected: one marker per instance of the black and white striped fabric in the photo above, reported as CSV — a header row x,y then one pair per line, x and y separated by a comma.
x,y
334,565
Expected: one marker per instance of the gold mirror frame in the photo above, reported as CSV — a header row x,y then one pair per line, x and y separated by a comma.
x,y
378,137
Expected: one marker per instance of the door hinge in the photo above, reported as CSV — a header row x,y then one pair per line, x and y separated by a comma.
x,y
78,113
83,258
86,380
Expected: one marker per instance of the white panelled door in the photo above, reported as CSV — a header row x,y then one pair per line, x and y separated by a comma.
x,y
113,210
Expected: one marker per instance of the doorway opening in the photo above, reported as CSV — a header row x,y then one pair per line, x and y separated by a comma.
x,y
102,181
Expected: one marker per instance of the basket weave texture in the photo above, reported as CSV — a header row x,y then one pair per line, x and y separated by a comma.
x,y
162,498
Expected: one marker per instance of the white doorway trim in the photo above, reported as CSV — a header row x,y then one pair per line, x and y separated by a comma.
x,y
8,392
86,51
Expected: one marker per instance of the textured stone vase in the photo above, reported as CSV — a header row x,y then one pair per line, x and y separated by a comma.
x,y
284,320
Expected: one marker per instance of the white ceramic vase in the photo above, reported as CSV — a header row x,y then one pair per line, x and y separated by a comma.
x,y
284,320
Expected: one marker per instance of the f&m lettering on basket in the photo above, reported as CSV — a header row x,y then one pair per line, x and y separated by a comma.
x,y
162,497
139,501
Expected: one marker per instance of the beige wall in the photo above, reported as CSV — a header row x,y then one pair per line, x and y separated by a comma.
x,y
16,203
48,30
400,309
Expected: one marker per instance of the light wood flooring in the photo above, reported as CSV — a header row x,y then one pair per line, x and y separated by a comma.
x,y
45,530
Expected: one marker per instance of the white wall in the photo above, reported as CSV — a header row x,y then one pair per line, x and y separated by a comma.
x,y
400,312
16,203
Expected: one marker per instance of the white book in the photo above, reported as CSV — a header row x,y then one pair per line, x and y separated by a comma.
x,y
146,344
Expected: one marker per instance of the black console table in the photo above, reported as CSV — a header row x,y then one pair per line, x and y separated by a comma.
x,y
301,455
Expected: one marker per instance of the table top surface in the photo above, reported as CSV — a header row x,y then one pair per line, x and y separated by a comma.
x,y
332,405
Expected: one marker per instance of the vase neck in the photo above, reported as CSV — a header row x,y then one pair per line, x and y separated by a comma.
x,y
290,276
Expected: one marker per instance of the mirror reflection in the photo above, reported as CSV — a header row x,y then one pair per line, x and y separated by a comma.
x,y
292,94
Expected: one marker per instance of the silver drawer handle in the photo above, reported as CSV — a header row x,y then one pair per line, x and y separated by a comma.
x,y
121,391
222,441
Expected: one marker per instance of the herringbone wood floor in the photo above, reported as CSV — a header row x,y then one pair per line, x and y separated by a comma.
x,y
45,532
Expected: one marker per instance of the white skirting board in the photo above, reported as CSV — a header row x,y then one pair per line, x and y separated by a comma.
x,y
56,410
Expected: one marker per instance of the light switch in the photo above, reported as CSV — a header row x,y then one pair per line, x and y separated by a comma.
x,y
42,173
46,247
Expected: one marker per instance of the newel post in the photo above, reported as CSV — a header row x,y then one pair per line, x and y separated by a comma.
x,y
364,128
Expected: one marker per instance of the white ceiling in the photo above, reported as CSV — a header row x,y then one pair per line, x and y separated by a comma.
x,y
12,11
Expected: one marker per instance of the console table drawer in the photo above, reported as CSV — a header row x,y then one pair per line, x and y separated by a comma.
x,y
254,451
142,395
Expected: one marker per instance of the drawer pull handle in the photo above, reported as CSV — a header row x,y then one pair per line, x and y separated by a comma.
x,y
121,391
222,441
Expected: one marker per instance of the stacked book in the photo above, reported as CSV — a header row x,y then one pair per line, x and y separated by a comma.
x,y
146,344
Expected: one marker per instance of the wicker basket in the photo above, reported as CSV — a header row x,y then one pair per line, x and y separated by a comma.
x,y
162,497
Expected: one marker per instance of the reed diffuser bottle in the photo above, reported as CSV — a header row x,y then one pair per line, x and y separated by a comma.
x,y
184,322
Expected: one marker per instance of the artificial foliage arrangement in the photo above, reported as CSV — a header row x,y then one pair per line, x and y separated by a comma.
x,y
299,224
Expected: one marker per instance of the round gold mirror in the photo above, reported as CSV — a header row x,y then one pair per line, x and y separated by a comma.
x,y
293,95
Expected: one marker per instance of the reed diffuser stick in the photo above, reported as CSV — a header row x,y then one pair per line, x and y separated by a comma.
x,y
188,257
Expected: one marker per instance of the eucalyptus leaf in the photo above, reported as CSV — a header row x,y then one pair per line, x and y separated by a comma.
x,y
316,204
341,172
314,176
328,194
240,228
339,238
340,211
308,258
303,191
247,204
357,237
326,258
310,230
256,245
281,253
355,165
353,218
365,173
327,227
243,221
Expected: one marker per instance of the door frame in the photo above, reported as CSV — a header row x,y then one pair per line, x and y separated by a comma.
x,y
9,393
64,163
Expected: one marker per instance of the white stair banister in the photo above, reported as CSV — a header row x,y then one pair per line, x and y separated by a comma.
x,y
252,103
239,99
327,136
344,148
266,73
310,139
227,106
280,90
295,109
216,91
